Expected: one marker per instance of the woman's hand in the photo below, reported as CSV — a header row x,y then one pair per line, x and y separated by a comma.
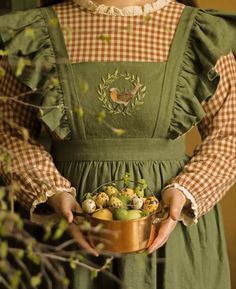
x,y
65,204
175,200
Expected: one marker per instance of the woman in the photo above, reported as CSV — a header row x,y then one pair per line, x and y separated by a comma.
x,y
180,61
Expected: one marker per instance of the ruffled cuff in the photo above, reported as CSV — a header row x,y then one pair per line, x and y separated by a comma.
x,y
188,215
52,217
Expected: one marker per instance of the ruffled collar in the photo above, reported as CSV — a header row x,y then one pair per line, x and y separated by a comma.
x,y
126,11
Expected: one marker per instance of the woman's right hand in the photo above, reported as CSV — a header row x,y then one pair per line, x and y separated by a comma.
x,y
65,204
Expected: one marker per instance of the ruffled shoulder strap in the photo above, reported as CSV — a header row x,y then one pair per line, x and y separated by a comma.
x,y
24,35
213,34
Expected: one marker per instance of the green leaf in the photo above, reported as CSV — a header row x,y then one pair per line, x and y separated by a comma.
x,y
2,192
83,86
20,254
68,32
144,213
65,281
127,179
7,164
4,207
33,257
73,264
22,62
104,37
143,183
4,266
79,111
4,98
29,32
101,116
139,191
15,280
88,196
146,19
79,257
118,131
2,72
63,225
94,274
48,232
129,29
4,52
85,226
100,246
55,81
54,22
25,134
36,280
3,250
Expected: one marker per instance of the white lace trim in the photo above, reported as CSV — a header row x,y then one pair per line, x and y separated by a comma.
x,y
126,11
187,221
50,193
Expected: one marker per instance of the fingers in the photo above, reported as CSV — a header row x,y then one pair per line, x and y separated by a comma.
x,y
175,200
64,204
78,236
176,207
67,214
67,210
165,229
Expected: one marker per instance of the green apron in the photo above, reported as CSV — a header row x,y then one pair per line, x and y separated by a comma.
x,y
194,257
159,95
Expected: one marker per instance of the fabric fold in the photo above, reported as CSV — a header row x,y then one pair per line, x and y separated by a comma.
x,y
212,35
25,38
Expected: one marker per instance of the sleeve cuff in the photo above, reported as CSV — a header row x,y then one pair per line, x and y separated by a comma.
x,y
39,218
189,216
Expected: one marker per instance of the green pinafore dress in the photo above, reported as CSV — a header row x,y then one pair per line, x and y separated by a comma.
x,y
95,155
164,101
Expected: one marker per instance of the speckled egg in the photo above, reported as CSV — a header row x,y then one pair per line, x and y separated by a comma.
x,y
89,206
137,203
111,190
128,192
151,204
102,200
114,202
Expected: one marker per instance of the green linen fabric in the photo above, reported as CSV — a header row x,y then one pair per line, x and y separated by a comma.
x,y
24,35
194,257
211,35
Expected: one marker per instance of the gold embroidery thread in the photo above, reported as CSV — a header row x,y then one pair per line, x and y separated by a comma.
x,y
116,101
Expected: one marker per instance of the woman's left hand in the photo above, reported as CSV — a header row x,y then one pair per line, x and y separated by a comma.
x,y
175,200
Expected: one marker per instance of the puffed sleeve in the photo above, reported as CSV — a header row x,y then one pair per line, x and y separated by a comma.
x,y
28,75
206,96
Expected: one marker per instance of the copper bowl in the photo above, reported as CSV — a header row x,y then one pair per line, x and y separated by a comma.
x,y
124,236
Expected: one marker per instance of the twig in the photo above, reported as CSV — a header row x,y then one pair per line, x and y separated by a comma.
x,y
46,276
50,268
4,282
65,244
20,263
66,260
3,98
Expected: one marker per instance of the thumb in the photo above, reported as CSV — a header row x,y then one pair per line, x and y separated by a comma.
x,y
68,215
176,207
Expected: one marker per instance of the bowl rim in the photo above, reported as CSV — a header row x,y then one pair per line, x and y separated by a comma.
x,y
123,221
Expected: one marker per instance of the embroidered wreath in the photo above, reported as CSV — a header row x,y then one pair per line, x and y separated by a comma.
x,y
126,102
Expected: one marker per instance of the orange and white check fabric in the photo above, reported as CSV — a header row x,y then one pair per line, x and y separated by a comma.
x,y
99,37
210,172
